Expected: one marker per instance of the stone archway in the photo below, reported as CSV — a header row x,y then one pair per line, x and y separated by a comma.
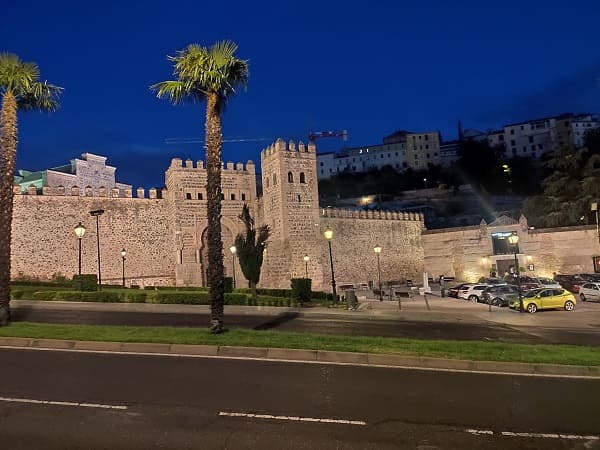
x,y
228,239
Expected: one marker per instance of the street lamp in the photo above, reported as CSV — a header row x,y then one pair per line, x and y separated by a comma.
x,y
233,250
377,250
513,239
79,232
97,213
306,259
595,208
123,253
328,233
425,182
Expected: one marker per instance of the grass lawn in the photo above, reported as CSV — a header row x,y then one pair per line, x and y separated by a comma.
x,y
469,350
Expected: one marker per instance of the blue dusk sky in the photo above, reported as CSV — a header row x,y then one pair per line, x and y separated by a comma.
x,y
369,68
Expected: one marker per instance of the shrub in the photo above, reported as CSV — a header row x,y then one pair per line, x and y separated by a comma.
x,y
301,289
134,286
235,299
228,281
89,282
186,298
134,297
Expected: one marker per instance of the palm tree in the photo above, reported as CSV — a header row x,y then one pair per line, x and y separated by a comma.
x,y
211,75
20,89
250,247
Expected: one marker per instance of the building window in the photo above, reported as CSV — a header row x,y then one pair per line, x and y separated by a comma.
x,y
243,196
426,137
188,196
232,196
299,198
512,142
500,244
530,139
222,196
522,127
541,146
267,181
501,138
512,131
427,146
199,195
290,177
321,164
274,179
321,171
302,178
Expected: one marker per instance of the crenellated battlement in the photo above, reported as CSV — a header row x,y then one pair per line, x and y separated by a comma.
x,y
371,214
178,163
76,191
300,150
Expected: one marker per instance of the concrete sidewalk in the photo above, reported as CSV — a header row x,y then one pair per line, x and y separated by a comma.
x,y
585,315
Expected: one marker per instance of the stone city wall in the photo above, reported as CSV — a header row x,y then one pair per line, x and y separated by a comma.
x,y
466,253
44,242
356,233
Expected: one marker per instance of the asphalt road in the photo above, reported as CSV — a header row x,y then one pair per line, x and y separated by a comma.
x,y
323,323
169,402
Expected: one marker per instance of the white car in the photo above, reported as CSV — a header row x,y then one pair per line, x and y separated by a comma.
x,y
590,291
547,282
473,293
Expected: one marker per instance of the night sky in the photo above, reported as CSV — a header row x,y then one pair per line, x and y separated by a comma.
x,y
370,68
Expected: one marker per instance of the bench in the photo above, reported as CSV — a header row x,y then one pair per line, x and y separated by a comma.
x,y
402,294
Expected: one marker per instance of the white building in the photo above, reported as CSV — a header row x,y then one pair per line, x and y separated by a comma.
x,y
89,171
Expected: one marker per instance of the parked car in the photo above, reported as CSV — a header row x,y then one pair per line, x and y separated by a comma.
x,y
544,298
491,280
453,291
547,282
500,295
590,291
473,292
570,282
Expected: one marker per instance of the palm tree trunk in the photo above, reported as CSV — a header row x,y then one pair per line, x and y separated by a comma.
x,y
8,152
216,280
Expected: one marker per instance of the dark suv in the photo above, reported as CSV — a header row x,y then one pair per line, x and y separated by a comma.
x,y
500,295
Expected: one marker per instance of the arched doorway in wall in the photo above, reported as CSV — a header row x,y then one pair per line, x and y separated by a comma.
x,y
227,239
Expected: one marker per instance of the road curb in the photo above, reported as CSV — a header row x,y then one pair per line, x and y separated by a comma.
x,y
372,359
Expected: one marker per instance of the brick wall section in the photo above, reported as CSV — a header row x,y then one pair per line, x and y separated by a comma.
x,y
44,242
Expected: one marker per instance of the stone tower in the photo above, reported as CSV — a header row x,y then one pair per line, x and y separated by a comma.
x,y
290,206
187,223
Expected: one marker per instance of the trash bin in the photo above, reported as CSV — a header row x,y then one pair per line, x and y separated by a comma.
x,y
351,301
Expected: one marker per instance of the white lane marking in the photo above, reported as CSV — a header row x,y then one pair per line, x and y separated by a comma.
x,y
291,418
295,361
59,403
536,435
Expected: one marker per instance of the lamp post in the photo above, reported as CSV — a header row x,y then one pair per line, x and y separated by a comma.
x,y
513,239
425,182
79,232
328,233
97,213
233,251
306,259
377,250
123,253
595,208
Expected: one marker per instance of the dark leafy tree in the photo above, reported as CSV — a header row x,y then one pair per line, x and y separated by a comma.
x,y
250,247
481,166
212,75
20,90
572,185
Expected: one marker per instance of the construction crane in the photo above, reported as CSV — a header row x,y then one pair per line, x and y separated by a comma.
x,y
184,141
328,134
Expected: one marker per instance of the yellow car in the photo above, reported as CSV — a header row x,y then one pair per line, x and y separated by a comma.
x,y
545,298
